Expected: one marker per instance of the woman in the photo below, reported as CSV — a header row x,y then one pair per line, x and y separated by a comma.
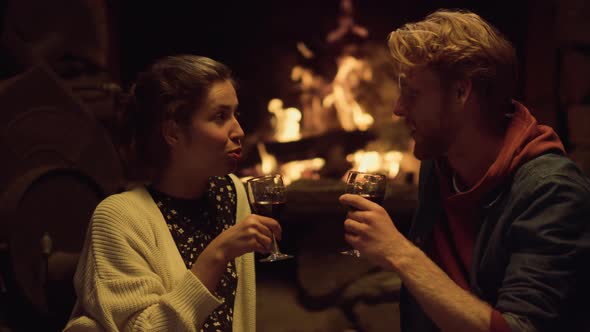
x,y
169,255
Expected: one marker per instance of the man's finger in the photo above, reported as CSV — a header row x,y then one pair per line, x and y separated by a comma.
x,y
357,202
352,239
354,227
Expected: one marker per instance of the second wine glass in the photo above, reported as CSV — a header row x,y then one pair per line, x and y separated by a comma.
x,y
267,197
368,185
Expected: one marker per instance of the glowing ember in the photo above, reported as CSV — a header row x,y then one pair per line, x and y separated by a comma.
x,y
304,50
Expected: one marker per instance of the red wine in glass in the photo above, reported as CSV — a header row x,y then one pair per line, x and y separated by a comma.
x,y
373,198
271,209
367,185
266,195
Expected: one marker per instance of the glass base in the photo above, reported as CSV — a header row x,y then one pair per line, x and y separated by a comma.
x,y
352,252
275,257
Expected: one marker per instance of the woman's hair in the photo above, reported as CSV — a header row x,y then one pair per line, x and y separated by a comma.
x,y
173,88
458,45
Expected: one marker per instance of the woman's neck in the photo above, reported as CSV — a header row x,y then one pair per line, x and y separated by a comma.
x,y
175,183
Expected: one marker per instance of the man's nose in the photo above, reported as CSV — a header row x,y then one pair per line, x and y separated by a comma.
x,y
399,109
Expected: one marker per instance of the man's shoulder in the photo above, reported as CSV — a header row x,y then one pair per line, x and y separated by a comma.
x,y
551,168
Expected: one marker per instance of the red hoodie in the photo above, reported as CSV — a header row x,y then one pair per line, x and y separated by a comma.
x,y
453,240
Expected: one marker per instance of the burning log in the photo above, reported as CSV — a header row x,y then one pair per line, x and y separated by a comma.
x,y
332,146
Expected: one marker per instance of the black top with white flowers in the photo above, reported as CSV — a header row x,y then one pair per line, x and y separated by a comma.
x,y
194,223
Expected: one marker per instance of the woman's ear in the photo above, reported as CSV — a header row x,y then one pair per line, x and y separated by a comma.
x,y
171,132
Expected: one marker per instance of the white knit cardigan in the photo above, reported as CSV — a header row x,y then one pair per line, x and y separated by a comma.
x,y
131,276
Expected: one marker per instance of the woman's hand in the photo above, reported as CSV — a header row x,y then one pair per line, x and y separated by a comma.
x,y
254,233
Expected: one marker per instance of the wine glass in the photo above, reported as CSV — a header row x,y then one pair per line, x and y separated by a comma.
x,y
266,195
368,185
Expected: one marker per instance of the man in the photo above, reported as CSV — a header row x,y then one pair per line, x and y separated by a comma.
x,y
500,239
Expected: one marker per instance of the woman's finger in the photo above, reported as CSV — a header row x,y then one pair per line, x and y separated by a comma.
x,y
264,241
258,247
271,224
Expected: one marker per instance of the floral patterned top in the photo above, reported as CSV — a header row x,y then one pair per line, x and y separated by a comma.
x,y
194,223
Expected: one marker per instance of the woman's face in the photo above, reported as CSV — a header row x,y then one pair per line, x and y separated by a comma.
x,y
211,145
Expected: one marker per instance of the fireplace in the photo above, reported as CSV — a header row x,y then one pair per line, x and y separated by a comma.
x,y
339,120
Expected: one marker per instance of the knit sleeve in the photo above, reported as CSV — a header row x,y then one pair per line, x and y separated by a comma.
x,y
119,280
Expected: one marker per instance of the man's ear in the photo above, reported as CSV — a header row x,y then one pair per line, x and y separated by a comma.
x,y
463,89
171,132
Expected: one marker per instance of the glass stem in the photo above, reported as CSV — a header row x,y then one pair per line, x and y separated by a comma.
x,y
275,246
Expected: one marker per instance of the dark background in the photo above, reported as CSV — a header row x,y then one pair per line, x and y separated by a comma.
x,y
258,43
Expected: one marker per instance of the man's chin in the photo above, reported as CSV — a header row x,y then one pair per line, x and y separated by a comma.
x,y
421,154
420,157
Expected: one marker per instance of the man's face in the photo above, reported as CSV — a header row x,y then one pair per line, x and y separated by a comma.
x,y
426,106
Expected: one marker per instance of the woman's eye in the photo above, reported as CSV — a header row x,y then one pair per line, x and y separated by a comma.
x,y
220,116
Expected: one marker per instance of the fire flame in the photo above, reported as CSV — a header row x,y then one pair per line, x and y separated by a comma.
x,y
291,171
320,98
286,121
269,162
298,169
376,162
351,72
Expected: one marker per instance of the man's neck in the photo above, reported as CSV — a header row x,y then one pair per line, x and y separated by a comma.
x,y
474,151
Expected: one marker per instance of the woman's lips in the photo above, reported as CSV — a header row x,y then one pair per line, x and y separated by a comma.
x,y
235,154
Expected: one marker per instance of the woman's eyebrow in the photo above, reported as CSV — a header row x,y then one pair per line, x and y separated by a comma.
x,y
225,107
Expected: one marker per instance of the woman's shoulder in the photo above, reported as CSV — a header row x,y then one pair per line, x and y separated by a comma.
x,y
134,205
128,200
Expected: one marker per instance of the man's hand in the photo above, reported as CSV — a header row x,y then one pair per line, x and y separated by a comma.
x,y
370,230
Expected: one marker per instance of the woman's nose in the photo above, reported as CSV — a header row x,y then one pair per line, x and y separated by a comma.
x,y
237,133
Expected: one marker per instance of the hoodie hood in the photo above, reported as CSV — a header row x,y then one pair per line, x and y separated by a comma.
x,y
525,139
454,236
